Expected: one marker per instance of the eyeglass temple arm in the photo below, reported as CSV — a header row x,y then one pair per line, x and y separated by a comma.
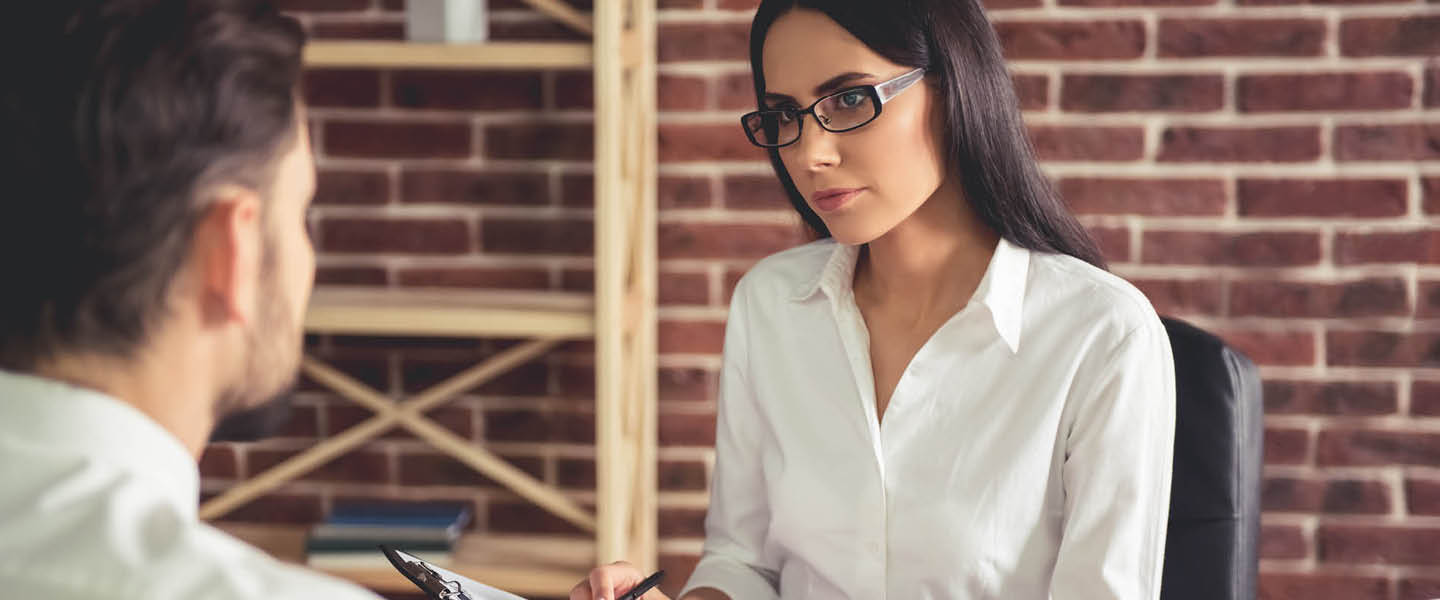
x,y
892,88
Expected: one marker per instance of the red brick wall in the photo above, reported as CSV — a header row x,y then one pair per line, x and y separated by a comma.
x,y
1268,169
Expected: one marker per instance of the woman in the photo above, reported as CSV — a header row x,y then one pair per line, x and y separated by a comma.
x,y
946,396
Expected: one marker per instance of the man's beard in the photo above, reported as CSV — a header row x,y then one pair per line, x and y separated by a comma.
x,y
258,405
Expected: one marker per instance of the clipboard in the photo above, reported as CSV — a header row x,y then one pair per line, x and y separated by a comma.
x,y
441,584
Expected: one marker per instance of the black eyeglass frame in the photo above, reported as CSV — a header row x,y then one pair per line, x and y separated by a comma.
x,y
878,94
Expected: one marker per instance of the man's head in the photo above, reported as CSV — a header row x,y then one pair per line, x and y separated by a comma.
x,y
156,172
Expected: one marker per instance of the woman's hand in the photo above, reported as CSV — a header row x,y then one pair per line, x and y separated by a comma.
x,y
609,581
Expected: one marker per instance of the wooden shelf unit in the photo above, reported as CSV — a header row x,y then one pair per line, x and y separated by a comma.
x,y
619,317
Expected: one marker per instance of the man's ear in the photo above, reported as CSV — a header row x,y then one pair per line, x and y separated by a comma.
x,y
228,249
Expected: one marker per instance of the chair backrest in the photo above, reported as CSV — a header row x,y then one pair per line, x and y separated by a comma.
x,y
1211,550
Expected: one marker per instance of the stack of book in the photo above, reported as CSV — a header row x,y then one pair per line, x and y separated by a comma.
x,y
350,538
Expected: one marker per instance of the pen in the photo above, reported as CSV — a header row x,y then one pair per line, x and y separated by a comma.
x,y
639,590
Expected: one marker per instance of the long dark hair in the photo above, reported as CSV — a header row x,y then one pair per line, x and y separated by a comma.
x,y
986,142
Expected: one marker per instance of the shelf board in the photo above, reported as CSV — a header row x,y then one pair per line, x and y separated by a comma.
x,y
524,565
416,55
450,313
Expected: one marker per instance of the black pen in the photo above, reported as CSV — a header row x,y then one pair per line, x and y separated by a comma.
x,y
636,592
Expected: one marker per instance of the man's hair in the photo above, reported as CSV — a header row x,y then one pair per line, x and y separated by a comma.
x,y
116,118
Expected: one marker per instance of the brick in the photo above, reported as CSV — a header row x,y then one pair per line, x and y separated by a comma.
x,y
539,425
1282,542
573,141
1239,144
1081,143
371,139
1331,398
1292,299
1417,35
304,422
691,337
1425,398
1288,494
1261,249
1114,243
1430,191
1032,91
370,368
275,509
683,289
1377,90
322,5
342,88
419,372
442,470
1273,348
1394,546
1361,447
723,240
446,186
683,192
1159,197
567,236
1339,496
681,475
703,41
706,143
1194,38
1382,349
576,90
466,90
352,187
1316,586
484,278
1362,198
520,517
681,429
735,91
1104,3
1131,93
762,192
681,522
1432,86
399,236
1071,40
575,473
360,466
1009,4
362,276
1182,296
359,30
219,461
687,385
1410,141
1388,247
1422,496
1286,446
1417,587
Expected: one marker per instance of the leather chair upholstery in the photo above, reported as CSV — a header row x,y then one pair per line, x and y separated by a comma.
x,y
1211,552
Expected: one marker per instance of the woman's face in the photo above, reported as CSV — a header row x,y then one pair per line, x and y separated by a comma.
x,y
866,181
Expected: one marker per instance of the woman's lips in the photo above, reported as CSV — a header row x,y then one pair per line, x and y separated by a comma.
x,y
834,198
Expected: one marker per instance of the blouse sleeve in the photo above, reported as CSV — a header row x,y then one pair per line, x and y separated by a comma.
x,y
1116,475
735,525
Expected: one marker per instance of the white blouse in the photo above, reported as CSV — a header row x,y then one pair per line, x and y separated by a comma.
x,y
1024,454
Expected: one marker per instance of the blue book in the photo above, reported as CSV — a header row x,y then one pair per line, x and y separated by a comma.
x,y
437,515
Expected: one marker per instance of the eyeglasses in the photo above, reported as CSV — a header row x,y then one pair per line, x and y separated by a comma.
x,y
847,109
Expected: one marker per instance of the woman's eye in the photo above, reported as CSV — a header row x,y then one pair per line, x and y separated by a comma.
x,y
852,99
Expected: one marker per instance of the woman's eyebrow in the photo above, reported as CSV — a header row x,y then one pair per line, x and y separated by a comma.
x,y
828,86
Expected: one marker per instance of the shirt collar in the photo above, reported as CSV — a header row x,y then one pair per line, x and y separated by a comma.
x,y
74,421
1001,290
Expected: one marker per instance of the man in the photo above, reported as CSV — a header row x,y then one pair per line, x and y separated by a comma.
x,y
154,267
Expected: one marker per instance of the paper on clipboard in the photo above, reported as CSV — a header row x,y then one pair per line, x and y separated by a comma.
x,y
472,590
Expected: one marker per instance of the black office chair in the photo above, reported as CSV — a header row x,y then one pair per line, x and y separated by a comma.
x,y
1211,552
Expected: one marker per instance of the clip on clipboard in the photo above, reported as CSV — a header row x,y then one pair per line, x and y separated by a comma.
x,y
440,584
